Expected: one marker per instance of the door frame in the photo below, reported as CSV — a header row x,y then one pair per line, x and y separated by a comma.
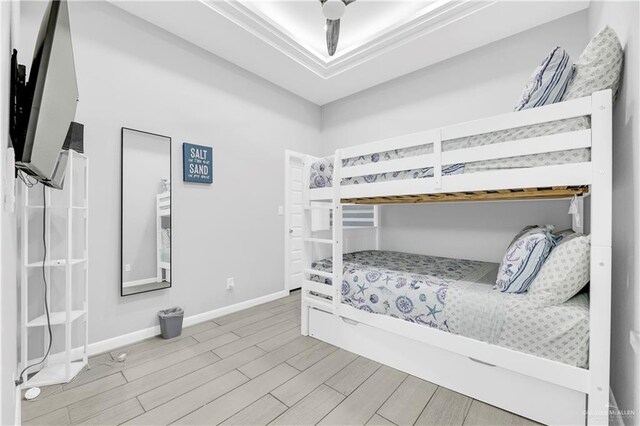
x,y
288,155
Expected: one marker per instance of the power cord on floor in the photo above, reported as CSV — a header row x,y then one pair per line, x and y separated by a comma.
x,y
20,380
87,367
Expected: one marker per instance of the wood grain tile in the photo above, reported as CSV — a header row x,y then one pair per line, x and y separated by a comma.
x,y
269,374
167,360
305,382
405,405
109,398
446,407
116,415
261,412
244,395
311,356
363,403
312,408
167,346
58,417
283,308
278,356
349,378
193,400
378,420
258,327
481,414
239,344
58,400
184,384
246,319
276,341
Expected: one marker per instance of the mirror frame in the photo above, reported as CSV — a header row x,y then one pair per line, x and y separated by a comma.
x,y
122,130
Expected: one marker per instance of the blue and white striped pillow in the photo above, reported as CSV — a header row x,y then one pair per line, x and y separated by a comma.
x,y
549,81
524,259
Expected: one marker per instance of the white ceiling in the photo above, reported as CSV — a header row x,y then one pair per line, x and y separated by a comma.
x,y
363,20
283,41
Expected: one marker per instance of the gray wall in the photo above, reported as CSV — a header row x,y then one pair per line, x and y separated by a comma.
x,y
146,162
134,74
624,18
477,84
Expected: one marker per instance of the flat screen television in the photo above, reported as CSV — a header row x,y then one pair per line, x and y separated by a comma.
x,y
44,107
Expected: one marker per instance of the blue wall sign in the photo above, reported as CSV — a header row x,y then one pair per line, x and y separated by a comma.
x,y
197,163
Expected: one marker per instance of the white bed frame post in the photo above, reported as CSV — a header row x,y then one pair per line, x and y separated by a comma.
x,y
600,288
306,233
336,230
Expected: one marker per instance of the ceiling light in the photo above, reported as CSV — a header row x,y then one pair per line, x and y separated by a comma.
x,y
333,9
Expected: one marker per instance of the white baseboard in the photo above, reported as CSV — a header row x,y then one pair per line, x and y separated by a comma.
x,y
136,336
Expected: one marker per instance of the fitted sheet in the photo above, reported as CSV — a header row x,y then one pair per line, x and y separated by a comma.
x,y
322,170
457,296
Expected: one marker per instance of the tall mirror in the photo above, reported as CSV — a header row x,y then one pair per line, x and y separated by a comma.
x,y
146,212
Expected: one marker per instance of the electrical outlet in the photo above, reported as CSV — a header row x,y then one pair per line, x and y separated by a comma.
x,y
127,267
231,283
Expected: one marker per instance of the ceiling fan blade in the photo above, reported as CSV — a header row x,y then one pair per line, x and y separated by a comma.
x,y
333,33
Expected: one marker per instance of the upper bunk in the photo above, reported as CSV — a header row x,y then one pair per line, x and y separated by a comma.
x,y
552,151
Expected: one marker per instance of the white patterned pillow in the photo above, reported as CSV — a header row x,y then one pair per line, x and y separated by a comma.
x,y
524,258
549,81
565,273
598,67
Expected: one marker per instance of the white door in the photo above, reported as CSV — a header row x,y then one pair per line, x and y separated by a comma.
x,y
293,220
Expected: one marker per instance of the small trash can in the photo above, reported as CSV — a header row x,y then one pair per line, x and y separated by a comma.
x,y
171,322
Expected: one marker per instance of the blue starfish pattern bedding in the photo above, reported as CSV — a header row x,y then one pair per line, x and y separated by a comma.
x,y
457,296
322,170
401,285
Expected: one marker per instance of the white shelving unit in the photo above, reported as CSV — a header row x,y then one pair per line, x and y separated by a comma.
x,y
66,272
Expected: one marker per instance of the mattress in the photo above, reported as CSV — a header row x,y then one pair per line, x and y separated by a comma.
x,y
322,170
457,296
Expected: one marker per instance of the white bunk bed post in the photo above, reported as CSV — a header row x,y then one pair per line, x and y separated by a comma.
x,y
600,288
306,233
337,233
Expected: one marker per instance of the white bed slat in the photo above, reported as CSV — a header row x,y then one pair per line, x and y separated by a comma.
x,y
547,176
399,142
319,273
400,164
538,145
318,287
554,112
559,111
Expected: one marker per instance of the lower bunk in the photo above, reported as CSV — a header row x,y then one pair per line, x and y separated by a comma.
x,y
441,320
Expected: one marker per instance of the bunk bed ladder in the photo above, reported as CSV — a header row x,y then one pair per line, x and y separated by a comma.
x,y
310,300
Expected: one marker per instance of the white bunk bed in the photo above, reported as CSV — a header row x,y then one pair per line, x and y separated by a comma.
x,y
544,390
163,252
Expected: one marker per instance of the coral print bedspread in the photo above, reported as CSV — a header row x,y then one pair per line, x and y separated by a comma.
x,y
402,285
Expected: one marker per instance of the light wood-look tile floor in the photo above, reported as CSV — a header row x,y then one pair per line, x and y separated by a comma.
x,y
251,368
